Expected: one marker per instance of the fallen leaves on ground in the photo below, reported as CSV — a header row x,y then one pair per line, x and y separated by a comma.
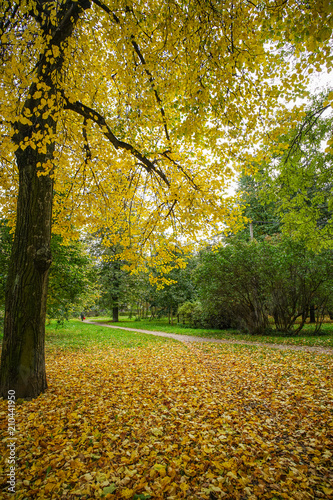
x,y
170,421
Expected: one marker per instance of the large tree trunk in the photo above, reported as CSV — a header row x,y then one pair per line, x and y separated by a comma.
x,y
23,359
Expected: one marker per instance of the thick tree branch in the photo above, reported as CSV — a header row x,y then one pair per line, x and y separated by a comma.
x,y
90,114
152,82
107,10
86,142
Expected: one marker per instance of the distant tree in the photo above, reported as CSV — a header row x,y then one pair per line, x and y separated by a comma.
x,y
114,282
73,280
299,181
120,287
261,212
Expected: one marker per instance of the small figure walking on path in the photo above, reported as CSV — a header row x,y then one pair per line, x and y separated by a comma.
x,y
82,316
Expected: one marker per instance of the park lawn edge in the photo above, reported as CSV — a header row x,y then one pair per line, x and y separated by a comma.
x,y
322,339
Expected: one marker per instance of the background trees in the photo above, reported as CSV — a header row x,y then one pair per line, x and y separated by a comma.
x,y
73,282
261,212
167,300
6,242
119,289
73,285
298,181
277,277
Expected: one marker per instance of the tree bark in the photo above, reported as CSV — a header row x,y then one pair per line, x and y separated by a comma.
x,y
23,358
23,353
115,313
312,314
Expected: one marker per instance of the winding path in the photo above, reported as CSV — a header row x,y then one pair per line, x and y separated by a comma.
x,y
191,338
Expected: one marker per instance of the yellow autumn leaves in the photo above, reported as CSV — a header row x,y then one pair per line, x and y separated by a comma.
x,y
171,421
195,88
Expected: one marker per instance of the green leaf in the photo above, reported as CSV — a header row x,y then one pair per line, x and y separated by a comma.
x,y
109,489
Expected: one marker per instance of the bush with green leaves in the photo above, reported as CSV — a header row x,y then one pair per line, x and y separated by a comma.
x,y
297,279
190,313
195,315
231,284
275,277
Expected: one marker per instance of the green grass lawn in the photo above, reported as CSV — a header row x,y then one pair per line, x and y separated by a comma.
x,y
306,336
77,335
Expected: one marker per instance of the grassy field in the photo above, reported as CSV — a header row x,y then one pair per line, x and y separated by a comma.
x,y
306,337
77,335
133,416
81,336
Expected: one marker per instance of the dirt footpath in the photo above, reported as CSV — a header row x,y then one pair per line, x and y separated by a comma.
x,y
190,338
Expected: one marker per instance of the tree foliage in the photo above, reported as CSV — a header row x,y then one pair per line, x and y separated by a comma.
x,y
299,182
146,104
276,277
6,241
258,210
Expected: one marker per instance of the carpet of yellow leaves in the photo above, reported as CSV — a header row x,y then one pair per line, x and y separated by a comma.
x,y
173,421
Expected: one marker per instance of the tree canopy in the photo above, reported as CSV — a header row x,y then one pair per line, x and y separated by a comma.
x,y
149,105
298,183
